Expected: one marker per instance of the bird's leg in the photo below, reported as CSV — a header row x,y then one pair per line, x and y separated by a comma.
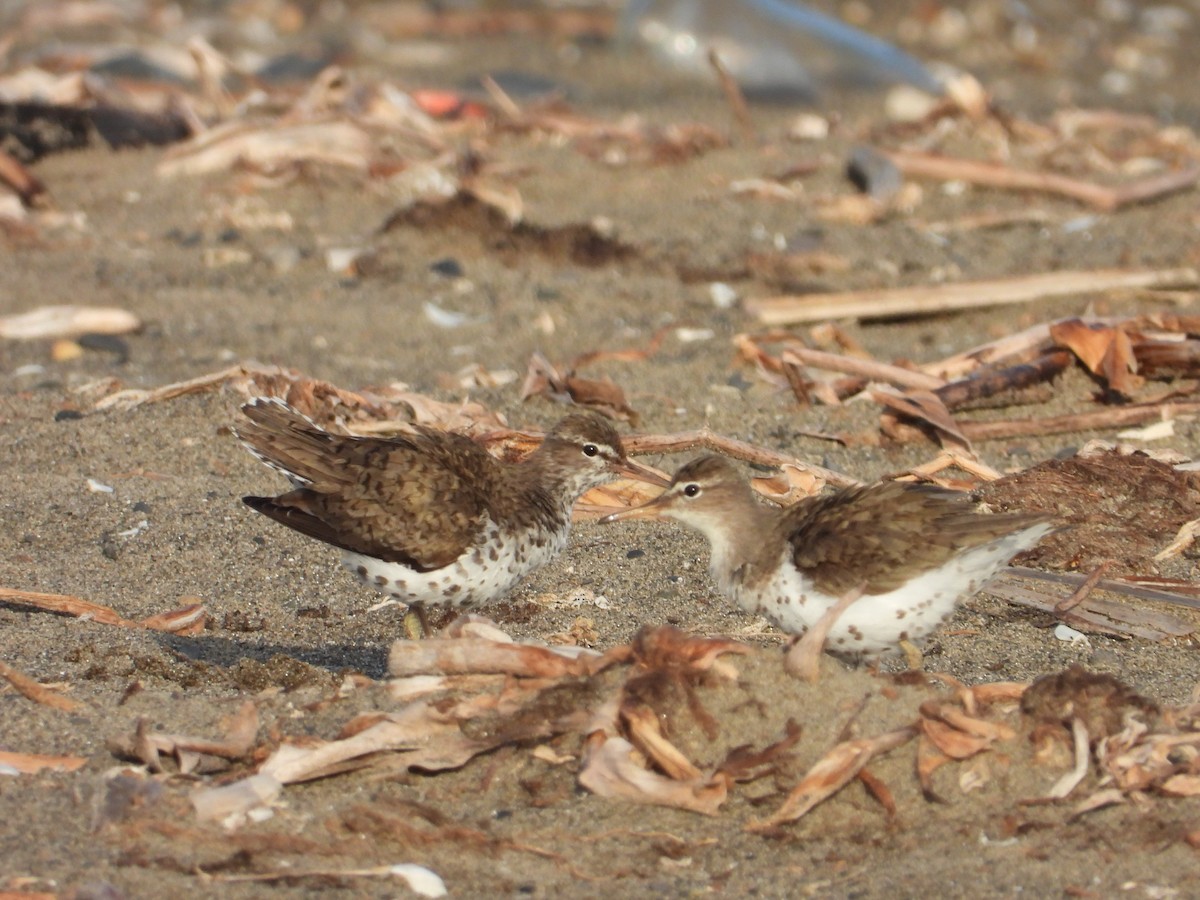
x,y
804,658
912,655
416,623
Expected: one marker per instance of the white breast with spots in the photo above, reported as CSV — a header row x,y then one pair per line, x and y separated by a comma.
x,y
875,623
495,563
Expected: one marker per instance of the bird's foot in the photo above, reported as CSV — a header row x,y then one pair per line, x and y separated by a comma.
x,y
416,624
912,655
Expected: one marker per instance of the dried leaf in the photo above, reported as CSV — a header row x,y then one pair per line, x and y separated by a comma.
x,y
147,745
790,485
418,727
542,378
666,648
1099,800
951,742
217,804
624,493
611,768
1181,786
185,620
1063,787
1106,351
645,732
927,407
929,760
971,725
831,773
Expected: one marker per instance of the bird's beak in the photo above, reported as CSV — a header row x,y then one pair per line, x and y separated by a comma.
x,y
639,472
652,510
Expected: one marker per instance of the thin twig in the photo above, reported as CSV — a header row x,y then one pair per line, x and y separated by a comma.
x,y
925,299
866,368
503,100
38,693
681,441
1183,539
182,620
1118,417
1112,585
733,96
1084,590
1101,197
989,381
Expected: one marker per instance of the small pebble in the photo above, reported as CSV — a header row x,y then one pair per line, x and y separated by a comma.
x,y
722,295
449,267
108,343
873,173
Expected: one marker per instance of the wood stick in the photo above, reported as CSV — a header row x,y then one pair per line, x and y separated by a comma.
x,y
1036,339
678,442
989,381
867,368
67,605
1082,592
20,179
1095,615
1138,414
1030,341
29,688
1101,197
733,96
925,299
1113,585
183,620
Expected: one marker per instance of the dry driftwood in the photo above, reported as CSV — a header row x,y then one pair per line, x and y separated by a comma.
x,y
925,299
1098,196
184,620
31,689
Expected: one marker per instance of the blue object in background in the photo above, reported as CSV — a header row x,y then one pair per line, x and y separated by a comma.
x,y
769,46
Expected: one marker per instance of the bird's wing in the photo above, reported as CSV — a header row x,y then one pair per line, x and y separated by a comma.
x,y
416,499
881,535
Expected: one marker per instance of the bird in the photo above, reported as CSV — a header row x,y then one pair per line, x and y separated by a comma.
x,y
913,550
431,518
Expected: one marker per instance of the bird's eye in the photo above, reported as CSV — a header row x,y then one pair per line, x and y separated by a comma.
x,y
590,449
692,490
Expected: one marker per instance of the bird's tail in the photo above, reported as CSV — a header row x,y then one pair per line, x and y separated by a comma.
x,y
290,442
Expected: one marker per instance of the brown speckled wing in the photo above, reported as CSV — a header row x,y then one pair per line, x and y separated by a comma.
x,y
418,499
884,534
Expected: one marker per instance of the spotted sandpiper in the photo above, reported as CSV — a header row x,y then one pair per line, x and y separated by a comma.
x,y
431,518
914,550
